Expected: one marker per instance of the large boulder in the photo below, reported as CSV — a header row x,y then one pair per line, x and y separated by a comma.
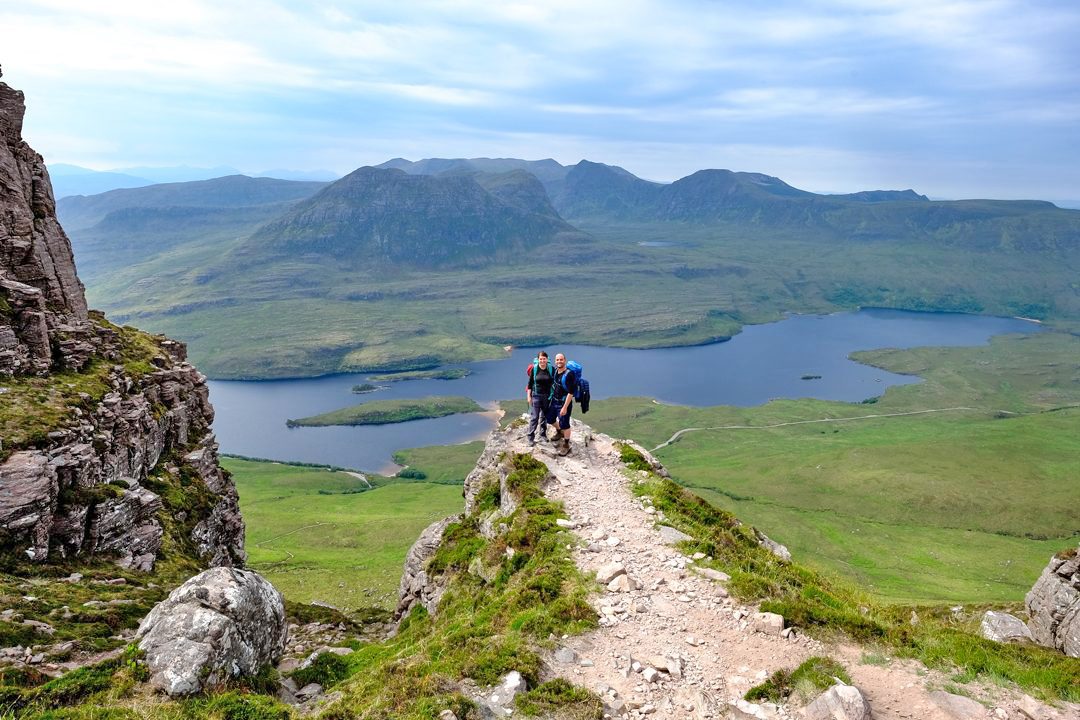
x,y
1054,604
222,623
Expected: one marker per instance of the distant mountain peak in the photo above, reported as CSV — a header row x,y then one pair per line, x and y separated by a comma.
x,y
387,216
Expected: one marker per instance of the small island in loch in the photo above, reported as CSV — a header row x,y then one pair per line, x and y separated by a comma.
x,y
363,388
384,412
436,374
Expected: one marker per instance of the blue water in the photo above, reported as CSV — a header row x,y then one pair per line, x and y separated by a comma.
x,y
760,363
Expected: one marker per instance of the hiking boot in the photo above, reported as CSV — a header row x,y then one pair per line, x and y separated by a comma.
x,y
562,446
532,443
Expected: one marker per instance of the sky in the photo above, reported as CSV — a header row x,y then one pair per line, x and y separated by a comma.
x,y
953,98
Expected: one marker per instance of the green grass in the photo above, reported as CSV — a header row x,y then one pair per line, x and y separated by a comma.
x,y
962,506
813,676
436,374
384,412
442,463
483,629
343,549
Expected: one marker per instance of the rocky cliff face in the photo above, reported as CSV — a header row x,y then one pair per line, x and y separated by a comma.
x,y
41,298
1054,604
105,431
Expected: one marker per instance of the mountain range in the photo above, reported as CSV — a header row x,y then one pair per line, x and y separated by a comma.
x,y
410,264
69,180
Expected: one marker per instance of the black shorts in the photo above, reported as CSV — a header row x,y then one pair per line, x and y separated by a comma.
x,y
553,416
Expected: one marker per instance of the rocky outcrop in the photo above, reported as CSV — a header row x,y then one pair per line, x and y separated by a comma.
x,y
1054,604
87,491
41,298
487,480
417,587
220,624
91,481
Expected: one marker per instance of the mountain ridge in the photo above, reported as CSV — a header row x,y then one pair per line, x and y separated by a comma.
x,y
385,215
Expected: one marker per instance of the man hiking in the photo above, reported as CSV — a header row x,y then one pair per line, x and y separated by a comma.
x,y
562,403
538,395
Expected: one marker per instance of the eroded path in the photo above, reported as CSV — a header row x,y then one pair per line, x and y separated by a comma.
x,y
672,644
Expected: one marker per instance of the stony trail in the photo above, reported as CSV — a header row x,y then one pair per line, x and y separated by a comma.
x,y
672,644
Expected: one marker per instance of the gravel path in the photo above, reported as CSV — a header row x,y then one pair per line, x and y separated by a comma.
x,y
672,644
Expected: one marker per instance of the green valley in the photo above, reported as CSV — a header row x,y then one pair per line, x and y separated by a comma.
x,y
963,505
315,536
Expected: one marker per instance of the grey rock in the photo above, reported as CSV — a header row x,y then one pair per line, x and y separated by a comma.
x,y
566,656
416,587
767,623
1053,604
772,546
28,495
671,536
1003,627
958,707
219,624
840,702
716,575
511,684
609,571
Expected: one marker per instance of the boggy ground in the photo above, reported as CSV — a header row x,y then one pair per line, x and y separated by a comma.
x,y
676,613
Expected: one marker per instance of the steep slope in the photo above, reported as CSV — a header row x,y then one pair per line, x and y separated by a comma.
x,y
686,607
107,449
377,217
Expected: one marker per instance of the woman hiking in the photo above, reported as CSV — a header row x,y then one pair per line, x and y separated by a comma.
x,y
562,403
538,395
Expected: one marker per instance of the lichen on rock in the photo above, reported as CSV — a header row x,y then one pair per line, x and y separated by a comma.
x,y
221,624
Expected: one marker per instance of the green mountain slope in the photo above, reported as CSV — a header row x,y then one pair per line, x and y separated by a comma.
x,y
387,217
231,191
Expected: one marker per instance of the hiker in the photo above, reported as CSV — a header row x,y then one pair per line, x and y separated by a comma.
x,y
562,403
538,395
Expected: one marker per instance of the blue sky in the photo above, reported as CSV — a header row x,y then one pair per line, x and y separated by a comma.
x,y
952,98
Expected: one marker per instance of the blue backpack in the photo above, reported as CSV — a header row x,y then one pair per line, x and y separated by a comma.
x,y
581,388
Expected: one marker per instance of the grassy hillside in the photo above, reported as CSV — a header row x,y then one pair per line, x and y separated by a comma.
x,y
957,506
384,412
315,538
